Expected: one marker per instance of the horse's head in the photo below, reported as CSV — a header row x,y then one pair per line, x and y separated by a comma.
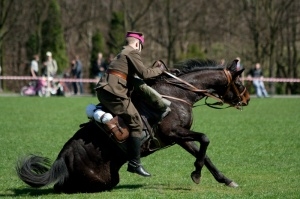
x,y
208,78
236,93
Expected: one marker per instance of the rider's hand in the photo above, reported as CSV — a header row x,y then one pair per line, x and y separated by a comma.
x,y
160,65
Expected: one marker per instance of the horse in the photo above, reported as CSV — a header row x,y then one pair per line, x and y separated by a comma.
x,y
90,160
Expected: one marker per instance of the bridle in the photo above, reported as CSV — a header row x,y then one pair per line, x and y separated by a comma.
x,y
211,94
240,96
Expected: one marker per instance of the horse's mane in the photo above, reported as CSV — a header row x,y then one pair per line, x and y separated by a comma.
x,y
192,65
187,66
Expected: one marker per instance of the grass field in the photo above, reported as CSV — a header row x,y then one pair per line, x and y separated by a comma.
x,y
258,148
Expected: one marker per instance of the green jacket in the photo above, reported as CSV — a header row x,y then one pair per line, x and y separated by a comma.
x,y
129,62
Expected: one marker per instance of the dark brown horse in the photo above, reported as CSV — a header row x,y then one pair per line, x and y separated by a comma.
x,y
90,161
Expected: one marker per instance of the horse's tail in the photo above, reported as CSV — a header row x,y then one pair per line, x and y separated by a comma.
x,y
36,171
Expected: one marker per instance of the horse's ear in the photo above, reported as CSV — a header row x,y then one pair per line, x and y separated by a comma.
x,y
232,66
233,69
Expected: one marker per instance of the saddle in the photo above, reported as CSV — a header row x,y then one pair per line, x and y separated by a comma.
x,y
118,131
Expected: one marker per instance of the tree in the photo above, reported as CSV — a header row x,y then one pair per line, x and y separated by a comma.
x,y
171,26
97,47
8,19
53,36
255,30
116,32
287,57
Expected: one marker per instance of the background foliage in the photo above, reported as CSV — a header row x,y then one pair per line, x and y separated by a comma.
x,y
256,31
258,148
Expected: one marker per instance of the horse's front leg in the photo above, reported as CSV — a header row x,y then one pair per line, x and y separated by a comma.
x,y
193,149
200,158
183,139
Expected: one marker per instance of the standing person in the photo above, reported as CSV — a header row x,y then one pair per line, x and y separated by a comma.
x,y
50,65
34,69
34,66
257,75
77,74
107,61
114,93
239,65
50,69
99,67
73,75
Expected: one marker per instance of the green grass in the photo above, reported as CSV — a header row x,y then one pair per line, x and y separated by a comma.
x,y
258,148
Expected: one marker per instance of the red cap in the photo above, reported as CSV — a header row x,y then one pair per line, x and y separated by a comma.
x,y
137,35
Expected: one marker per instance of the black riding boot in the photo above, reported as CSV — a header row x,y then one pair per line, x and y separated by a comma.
x,y
134,164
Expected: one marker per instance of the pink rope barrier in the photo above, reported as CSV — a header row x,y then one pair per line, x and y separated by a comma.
x,y
272,79
265,79
50,79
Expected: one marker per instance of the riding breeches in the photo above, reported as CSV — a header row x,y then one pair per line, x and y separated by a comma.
x,y
124,108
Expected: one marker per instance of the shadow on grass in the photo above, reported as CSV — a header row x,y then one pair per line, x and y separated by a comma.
x,y
152,186
39,192
28,192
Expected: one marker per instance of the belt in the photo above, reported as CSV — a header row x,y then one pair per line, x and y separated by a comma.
x,y
117,73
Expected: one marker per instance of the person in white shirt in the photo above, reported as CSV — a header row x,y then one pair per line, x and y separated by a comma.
x,y
50,66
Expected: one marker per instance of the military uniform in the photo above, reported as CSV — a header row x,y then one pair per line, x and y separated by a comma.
x,y
114,93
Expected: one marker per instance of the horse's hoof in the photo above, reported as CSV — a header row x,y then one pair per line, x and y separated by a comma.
x,y
196,177
233,185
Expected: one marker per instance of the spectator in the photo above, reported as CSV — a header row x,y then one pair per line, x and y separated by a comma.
x,y
34,66
49,70
108,60
99,67
257,75
77,74
50,66
239,66
34,69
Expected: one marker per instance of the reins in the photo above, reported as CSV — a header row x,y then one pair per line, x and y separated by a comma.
x,y
193,88
207,93
178,99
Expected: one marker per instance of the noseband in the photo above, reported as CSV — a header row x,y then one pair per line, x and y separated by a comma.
x,y
207,93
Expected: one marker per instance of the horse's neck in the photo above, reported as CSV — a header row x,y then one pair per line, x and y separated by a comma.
x,y
200,80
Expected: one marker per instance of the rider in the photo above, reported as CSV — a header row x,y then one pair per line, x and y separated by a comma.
x,y
114,93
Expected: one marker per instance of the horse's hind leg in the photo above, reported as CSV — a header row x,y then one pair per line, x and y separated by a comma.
x,y
217,174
